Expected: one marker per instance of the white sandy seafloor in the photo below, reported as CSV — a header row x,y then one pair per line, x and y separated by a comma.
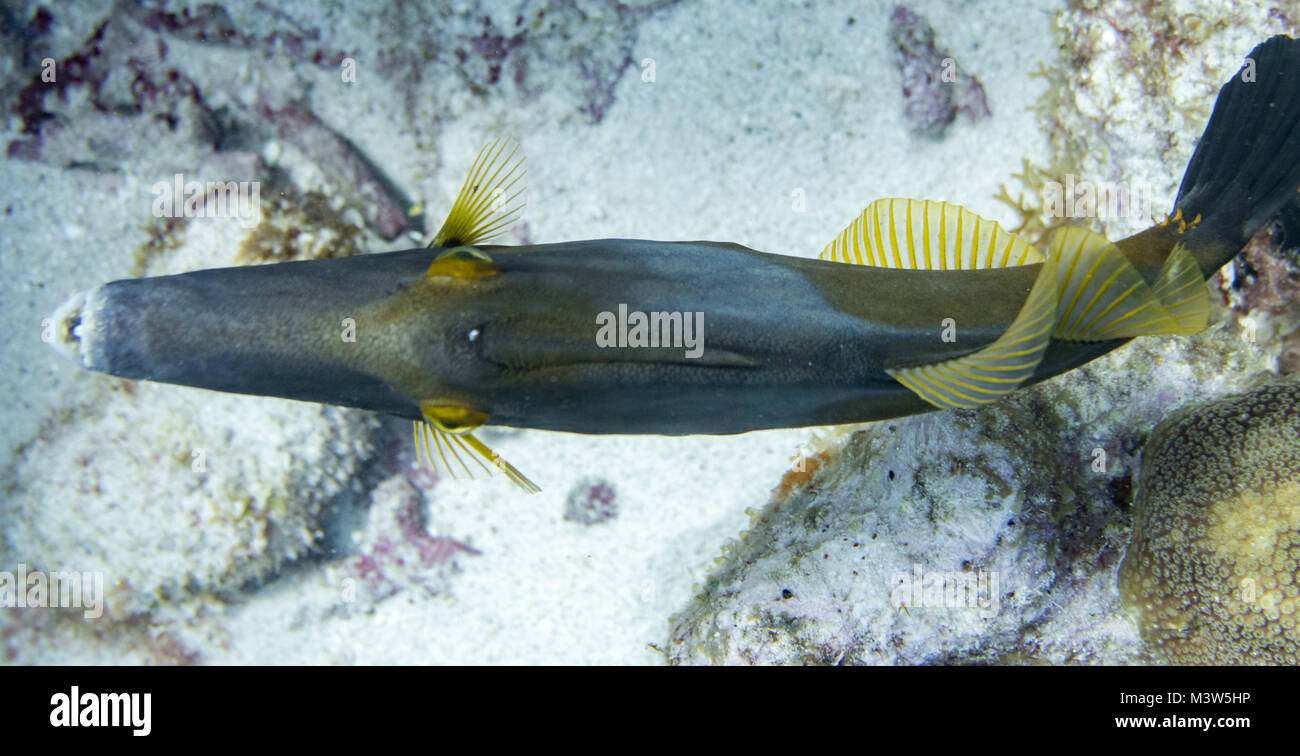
x,y
749,105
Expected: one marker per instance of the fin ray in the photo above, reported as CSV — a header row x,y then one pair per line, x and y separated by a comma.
x,y
914,235
451,426
490,200
1179,274
1116,294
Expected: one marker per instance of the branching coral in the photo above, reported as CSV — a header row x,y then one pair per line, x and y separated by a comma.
x,y
1035,223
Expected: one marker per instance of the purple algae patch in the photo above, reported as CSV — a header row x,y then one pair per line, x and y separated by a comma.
x,y
935,88
592,501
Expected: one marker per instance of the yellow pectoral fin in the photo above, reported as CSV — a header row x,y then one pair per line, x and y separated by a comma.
x,y
446,430
490,200
925,235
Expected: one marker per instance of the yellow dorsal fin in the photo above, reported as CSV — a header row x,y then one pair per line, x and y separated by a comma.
x,y
925,235
462,262
490,200
446,429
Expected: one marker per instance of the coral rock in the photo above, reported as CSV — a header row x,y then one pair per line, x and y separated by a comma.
x,y
992,535
1213,570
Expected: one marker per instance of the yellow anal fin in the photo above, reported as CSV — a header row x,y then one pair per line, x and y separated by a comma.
x,y
924,235
1086,291
1102,296
997,369
1182,291
446,430
490,200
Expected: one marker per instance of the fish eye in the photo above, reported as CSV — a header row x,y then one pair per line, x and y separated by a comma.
x,y
466,341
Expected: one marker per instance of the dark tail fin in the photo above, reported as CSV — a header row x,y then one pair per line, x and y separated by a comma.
x,y
1247,164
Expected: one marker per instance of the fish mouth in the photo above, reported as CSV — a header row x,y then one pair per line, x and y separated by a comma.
x,y
72,321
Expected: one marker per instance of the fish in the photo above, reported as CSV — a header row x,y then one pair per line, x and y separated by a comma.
x,y
915,306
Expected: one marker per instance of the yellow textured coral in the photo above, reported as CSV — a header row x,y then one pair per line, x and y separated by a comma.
x,y
1213,570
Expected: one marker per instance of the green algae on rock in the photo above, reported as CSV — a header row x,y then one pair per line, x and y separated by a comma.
x,y
1213,569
